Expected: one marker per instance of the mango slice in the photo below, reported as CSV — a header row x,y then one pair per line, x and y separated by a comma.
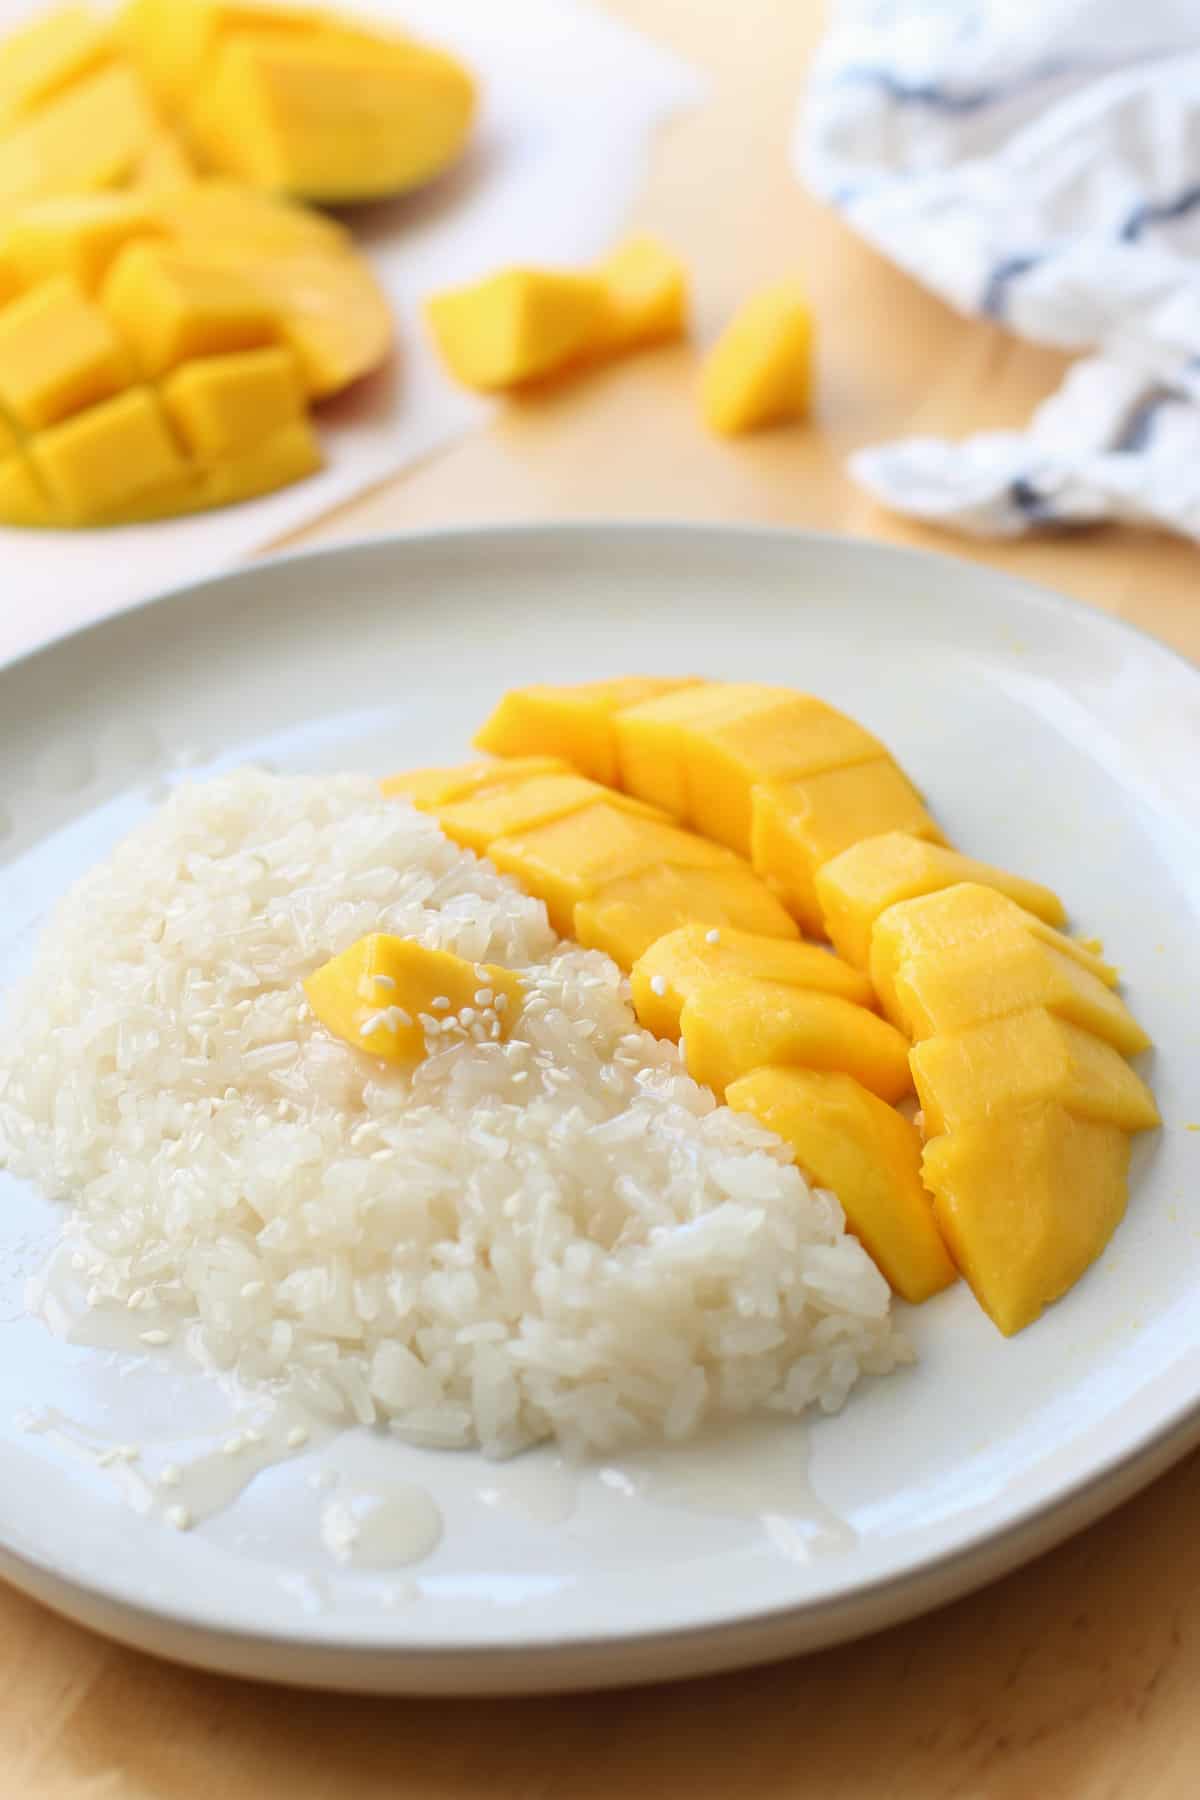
x,y
570,858
297,101
1027,1203
682,961
516,326
949,917
854,887
656,737
797,826
90,135
1026,1059
574,723
397,1000
46,56
948,990
224,343
645,286
759,372
732,1026
430,788
847,1140
624,918
477,820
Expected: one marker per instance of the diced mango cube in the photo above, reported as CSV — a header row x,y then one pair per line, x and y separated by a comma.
x,y
10,442
228,215
952,916
161,165
375,995
646,289
1026,1059
849,1141
799,825
759,372
87,137
575,723
47,55
1026,1203
516,326
103,459
58,353
290,454
171,307
854,887
624,918
23,500
655,737
220,405
948,990
570,858
733,1025
76,235
683,960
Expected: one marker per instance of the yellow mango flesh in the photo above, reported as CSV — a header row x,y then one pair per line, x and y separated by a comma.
x,y
46,56
654,738
625,918
853,888
1027,1203
381,994
90,135
569,859
107,290
948,990
431,788
736,1024
297,101
477,820
849,1141
645,287
1029,1058
797,826
516,326
682,961
759,372
574,723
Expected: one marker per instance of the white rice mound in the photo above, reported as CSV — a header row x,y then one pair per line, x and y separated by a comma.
x,y
561,1235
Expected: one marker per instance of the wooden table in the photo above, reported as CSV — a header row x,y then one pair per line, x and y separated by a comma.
x,y
1076,1678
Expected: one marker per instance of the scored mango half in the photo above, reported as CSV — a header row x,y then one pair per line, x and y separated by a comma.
x,y
158,355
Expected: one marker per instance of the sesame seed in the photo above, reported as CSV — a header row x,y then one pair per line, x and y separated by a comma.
x,y
252,1289
179,1518
712,937
384,981
440,1003
658,985
501,1003
297,1437
135,1299
467,1016
171,1475
154,1338
484,997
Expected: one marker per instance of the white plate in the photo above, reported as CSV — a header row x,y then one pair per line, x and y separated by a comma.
x,y
1049,738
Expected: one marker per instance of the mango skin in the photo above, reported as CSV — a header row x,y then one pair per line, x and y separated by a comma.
x,y
1027,1203
862,881
734,1025
353,993
682,961
849,1141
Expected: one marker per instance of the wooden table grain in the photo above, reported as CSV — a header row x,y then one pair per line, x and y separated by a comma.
x,y
1074,1678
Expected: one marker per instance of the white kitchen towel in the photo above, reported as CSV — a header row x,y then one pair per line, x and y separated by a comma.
x,y
571,98
1035,162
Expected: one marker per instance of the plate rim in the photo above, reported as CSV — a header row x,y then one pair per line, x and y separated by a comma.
x,y
932,1577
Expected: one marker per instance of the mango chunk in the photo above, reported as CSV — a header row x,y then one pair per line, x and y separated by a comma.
x,y
172,308
430,788
655,737
797,826
958,915
288,455
383,993
1026,1203
107,457
1027,1059
574,723
47,55
515,326
847,1140
223,404
736,1024
624,918
76,235
162,164
759,372
645,285
58,353
854,887
477,820
23,501
682,961
570,858
948,990
89,136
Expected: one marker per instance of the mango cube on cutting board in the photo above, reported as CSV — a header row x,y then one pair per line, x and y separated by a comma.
x,y
397,1000
759,372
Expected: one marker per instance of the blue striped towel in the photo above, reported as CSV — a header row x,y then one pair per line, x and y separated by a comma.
x,y
1035,162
